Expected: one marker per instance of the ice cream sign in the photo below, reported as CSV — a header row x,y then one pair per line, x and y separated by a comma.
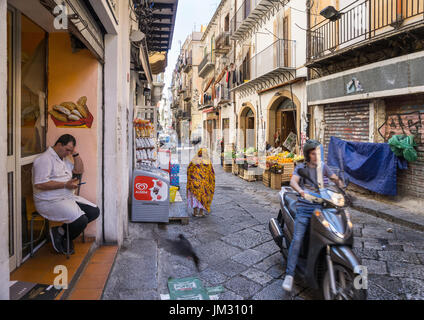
x,y
150,189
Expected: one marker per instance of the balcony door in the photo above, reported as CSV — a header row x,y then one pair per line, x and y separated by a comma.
x,y
26,127
286,41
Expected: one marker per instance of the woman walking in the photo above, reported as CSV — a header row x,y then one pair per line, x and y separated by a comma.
x,y
200,183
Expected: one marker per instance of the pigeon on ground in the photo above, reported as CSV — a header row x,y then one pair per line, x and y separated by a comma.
x,y
183,248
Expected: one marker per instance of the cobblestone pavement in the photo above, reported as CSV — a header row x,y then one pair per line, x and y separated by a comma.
x,y
238,252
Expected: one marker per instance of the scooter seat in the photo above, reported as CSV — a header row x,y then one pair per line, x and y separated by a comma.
x,y
290,199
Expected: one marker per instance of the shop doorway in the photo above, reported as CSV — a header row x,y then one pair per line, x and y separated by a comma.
x,y
225,132
211,126
26,128
285,119
248,128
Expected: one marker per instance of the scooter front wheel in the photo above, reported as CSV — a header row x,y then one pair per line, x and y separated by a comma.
x,y
344,285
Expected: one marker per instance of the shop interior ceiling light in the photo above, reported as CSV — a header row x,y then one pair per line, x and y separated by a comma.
x,y
330,13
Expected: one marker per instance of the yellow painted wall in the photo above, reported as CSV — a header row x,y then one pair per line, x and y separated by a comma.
x,y
72,75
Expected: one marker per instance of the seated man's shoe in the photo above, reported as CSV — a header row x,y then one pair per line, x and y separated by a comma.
x,y
288,283
56,236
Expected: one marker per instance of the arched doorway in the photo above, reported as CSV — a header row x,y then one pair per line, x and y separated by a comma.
x,y
283,118
247,126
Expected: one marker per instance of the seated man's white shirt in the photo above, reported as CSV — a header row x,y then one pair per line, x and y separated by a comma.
x,y
60,204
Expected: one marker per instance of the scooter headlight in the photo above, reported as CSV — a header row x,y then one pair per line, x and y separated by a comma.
x,y
336,198
321,218
326,224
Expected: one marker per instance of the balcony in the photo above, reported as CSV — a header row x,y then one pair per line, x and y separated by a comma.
x,y
186,115
223,94
365,26
207,64
188,64
249,14
223,43
187,95
273,65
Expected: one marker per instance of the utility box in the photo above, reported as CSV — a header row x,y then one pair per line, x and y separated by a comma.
x,y
150,198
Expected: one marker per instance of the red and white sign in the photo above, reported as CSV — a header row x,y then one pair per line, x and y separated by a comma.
x,y
150,189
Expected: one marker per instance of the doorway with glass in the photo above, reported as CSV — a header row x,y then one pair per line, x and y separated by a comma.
x,y
26,128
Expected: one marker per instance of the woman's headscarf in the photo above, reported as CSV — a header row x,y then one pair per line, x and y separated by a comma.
x,y
201,178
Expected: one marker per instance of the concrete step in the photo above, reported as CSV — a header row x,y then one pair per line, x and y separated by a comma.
x,y
92,280
389,212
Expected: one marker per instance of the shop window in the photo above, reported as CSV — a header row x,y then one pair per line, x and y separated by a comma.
x,y
33,88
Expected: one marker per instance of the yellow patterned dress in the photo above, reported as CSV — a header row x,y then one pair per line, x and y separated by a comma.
x,y
200,182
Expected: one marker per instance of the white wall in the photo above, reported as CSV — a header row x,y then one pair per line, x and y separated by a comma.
x,y
117,95
4,212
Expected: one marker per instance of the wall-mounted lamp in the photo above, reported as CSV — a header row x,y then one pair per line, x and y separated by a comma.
x,y
137,36
330,13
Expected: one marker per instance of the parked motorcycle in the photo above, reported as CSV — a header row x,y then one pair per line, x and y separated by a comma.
x,y
326,260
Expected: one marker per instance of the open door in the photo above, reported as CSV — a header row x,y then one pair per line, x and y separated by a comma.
x,y
26,128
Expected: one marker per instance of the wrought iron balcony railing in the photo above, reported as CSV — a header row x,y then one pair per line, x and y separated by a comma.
x,y
250,13
206,65
223,94
188,63
362,21
187,94
274,60
223,43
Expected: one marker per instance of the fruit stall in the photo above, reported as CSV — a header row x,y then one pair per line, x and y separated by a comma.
x,y
279,168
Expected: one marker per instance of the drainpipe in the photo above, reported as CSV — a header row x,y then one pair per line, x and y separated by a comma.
x,y
308,32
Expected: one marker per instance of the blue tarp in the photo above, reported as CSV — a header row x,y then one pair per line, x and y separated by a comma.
x,y
372,166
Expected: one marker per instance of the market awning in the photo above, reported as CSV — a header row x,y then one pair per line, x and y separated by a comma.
x,y
208,84
221,75
158,62
208,110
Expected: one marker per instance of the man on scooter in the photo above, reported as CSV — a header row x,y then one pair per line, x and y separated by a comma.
x,y
304,208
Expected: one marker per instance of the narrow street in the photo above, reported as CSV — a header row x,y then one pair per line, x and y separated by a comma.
x,y
237,251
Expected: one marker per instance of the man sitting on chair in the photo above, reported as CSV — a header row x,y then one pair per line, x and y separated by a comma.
x,y
54,192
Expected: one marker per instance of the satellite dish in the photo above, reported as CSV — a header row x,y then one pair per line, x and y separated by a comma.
x,y
137,36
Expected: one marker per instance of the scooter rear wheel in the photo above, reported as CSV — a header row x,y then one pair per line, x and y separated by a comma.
x,y
344,285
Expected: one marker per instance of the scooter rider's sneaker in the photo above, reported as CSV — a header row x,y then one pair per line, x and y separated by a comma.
x,y
288,283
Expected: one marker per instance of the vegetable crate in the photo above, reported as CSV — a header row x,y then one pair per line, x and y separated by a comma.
x,y
288,169
249,175
266,178
275,182
235,168
241,172
228,167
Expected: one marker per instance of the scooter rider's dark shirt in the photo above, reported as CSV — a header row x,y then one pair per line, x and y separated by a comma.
x,y
306,185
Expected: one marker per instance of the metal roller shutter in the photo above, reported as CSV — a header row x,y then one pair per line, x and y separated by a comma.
x,y
348,122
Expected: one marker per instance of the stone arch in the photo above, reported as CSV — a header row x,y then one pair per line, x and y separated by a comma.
x,y
273,105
